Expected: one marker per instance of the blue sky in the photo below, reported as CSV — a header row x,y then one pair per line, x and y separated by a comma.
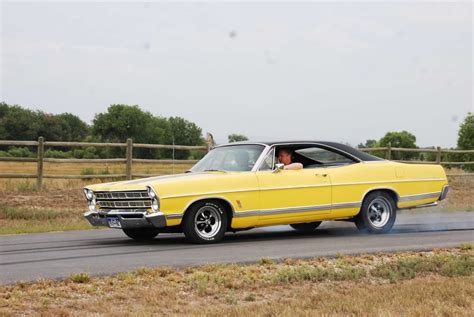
x,y
323,70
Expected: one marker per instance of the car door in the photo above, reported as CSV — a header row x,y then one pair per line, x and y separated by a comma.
x,y
291,196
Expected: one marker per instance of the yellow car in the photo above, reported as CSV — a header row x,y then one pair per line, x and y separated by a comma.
x,y
242,185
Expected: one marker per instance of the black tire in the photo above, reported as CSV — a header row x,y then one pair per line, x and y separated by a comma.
x,y
378,213
205,222
141,234
306,227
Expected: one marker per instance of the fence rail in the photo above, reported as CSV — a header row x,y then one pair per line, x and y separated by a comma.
x,y
129,160
129,146
438,150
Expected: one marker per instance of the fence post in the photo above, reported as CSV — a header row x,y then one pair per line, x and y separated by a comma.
x,y
39,164
129,156
438,155
388,155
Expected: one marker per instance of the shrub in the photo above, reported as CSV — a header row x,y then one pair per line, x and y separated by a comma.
x,y
79,278
57,154
21,152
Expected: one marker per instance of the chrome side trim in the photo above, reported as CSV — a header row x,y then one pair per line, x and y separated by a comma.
x,y
356,204
174,216
276,211
294,209
419,196
422,206
247,213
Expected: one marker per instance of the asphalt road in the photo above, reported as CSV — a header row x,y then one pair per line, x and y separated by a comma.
x,y
56,255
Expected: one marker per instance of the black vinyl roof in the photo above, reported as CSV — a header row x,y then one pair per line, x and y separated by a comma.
x,y
334,145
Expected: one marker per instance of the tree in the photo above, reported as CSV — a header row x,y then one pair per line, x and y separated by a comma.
x,y
49,126
73,128
236,138
19,123
368,144
3,113
466,140
121,122
402,139
466,133
183,132
372,144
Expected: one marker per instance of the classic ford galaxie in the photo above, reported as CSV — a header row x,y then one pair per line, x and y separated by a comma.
x,y
242,185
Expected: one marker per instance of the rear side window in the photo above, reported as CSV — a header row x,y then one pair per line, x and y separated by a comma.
x,y
324,156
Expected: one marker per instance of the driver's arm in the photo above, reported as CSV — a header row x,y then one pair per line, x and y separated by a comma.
x,y
294,166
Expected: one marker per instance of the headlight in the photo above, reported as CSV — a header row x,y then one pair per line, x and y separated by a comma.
x,y
155,200
92,205
155,205
89,194
151,193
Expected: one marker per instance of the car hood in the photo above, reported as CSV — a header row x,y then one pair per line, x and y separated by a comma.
x,y
158,181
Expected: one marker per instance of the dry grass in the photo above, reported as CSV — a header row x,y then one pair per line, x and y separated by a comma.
x,y
341,286
23,220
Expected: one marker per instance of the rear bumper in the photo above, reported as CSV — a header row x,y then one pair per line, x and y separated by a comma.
x,y
444,192
127,219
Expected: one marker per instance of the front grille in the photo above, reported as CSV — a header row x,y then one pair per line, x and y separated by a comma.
x,y
123,200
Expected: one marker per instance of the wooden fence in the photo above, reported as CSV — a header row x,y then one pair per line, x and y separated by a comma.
x,y
129,160
438,155
438,150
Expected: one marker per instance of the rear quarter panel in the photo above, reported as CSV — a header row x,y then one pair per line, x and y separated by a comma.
x,y
351,183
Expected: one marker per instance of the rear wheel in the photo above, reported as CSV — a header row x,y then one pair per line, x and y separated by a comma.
x,y
378,213
205,222
141,234
306,227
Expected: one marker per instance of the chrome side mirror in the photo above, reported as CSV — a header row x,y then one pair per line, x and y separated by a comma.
x,y
278,167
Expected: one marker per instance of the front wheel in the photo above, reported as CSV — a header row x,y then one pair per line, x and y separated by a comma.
x,y
306,227
205,222
141,234
378,213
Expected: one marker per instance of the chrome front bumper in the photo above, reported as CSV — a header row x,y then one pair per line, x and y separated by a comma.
x,y
124,219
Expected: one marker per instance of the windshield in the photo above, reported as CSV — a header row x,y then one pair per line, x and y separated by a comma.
x,y
230,158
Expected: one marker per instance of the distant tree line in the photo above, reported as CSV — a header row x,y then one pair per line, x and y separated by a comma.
x,y
120,122
117,124
405,139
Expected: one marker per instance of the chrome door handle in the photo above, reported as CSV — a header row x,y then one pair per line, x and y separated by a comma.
x,y
323,175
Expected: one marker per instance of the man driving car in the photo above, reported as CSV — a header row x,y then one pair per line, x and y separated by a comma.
x,y
285,157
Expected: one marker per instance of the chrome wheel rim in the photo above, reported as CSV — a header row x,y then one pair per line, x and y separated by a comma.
x,y
207,222
379,212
